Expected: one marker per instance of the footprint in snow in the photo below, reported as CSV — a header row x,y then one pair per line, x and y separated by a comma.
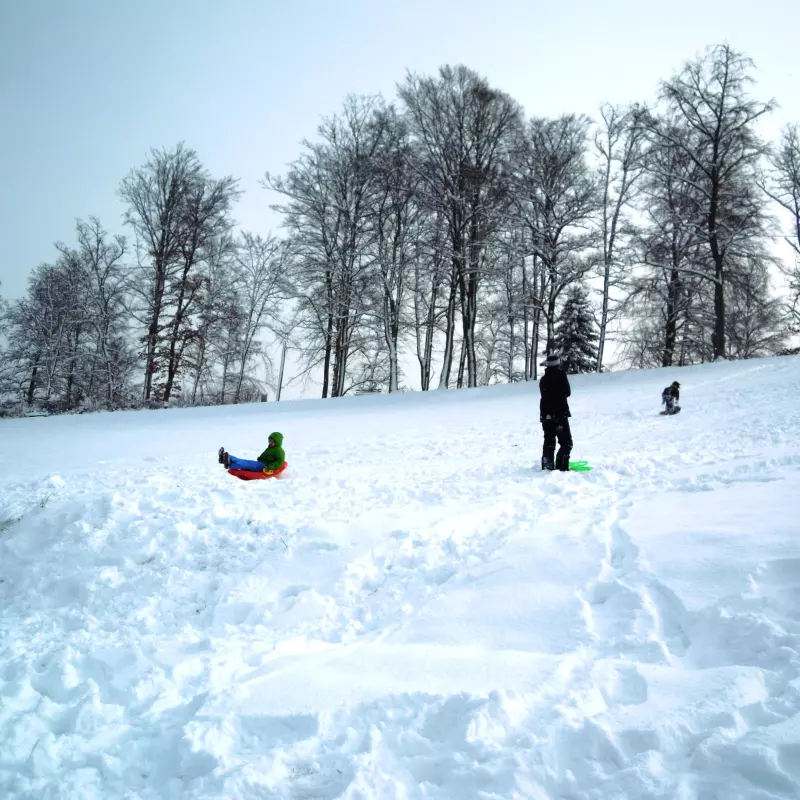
x,y
294,591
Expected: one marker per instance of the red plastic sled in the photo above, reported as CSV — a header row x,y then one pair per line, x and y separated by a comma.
x,y
247,475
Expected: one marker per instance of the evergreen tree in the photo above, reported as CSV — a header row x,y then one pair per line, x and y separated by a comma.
x,y
575,333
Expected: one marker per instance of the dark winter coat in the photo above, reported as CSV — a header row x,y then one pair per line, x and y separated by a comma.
x,y
554,388
274,457
671,391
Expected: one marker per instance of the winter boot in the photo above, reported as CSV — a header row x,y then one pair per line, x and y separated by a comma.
x,y
226,460
547,463
221,456
562,461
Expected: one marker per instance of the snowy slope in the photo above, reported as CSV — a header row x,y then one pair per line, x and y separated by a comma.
x,y
417,612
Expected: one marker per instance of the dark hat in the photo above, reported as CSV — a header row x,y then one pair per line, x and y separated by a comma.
x,y
552,360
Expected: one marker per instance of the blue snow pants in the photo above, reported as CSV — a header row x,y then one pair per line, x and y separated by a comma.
x,y
243,463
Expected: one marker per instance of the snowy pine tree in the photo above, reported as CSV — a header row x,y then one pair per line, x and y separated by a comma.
x,y
575,333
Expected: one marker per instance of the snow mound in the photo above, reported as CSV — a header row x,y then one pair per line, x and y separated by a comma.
x,y
417,611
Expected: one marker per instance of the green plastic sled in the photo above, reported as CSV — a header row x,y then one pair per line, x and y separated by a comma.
x,y
579,466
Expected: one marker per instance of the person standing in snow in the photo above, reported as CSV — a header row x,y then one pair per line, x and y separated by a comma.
x,y
670,397
554,414
270,462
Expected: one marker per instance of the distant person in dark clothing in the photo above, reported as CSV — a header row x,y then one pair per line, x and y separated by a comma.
x,y
670,397
554,415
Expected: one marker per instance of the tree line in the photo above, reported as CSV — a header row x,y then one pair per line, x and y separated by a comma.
x,y
443,239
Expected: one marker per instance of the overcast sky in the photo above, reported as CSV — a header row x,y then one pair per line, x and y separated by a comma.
x,y
88,86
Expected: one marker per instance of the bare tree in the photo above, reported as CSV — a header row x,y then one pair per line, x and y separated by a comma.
x,y
217,312
447,224
262,283
711,118
396,222
177,210
464,130
534,287
557,200
669,243
512,279
783,186
502,339
99,260
154,194
492,342
618,143
69,295
206,220
24,349
227,343
44,332
8,387
327,213
755,328
431,270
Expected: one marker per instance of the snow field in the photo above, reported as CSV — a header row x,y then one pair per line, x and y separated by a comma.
x,y
416,611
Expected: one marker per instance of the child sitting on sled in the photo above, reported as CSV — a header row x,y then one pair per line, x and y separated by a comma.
x,y
271,462
670,397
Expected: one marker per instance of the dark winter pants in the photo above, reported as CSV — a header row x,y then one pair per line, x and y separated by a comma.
x,y
556,429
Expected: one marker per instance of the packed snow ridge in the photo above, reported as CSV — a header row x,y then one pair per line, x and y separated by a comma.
x,y
416,611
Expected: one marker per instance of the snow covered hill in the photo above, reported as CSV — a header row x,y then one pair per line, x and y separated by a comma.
x,y
418,611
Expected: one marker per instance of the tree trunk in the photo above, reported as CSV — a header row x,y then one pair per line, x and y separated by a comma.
x,y
108,367
339,351
52,363
201,357
342,337
419,326
326,368
32,383
461,360
343,356
225,366
526,320
537,321
470,283
718,338
425,364
470,316
73,365
280,372
393,296
391,335
449,333
152,330
671,325
248,341
326,371
93,370
463,357
512,341
425,346
551,317
718,341
601,343
181,313
537,311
